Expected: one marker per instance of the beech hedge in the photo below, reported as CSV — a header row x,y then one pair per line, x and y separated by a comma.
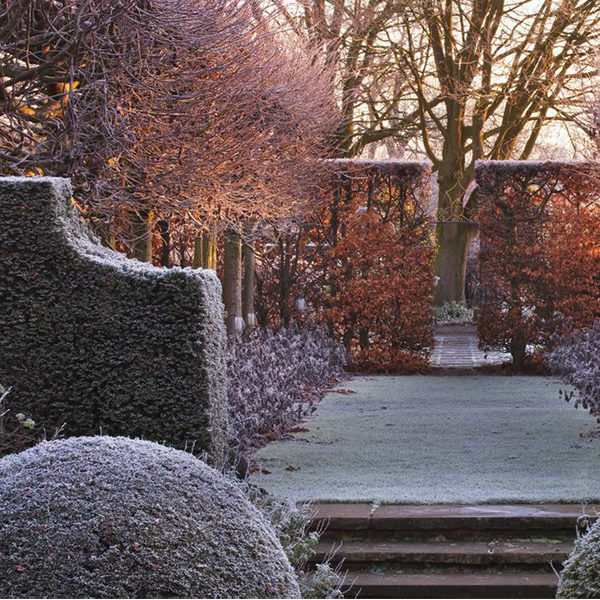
x,y
540,252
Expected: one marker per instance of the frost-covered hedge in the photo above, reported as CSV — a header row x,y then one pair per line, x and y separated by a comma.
x,y
275,376
580,577
576,360
104,517
97,341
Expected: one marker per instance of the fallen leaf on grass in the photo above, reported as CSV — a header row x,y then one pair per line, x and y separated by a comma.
x,y
260,470
299,430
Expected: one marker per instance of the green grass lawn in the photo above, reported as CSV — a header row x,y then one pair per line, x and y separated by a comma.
x,y
429,439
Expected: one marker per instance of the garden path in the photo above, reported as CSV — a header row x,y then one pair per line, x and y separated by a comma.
x,y
456,347
439,439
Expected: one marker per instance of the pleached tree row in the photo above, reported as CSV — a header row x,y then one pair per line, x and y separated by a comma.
x,y
174,118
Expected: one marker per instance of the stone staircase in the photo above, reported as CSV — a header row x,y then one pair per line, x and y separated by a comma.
x,y
443,551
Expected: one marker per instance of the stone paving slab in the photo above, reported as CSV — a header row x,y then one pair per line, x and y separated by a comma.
x,y
447,516
456,347
444,552
454,585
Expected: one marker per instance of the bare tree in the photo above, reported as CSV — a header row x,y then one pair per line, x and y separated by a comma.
x,y
456,80
487,78
351,37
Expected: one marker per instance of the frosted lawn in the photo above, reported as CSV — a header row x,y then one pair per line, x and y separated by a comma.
x,y
428,439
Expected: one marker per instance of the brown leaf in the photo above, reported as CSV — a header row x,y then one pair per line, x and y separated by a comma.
x,y
260,470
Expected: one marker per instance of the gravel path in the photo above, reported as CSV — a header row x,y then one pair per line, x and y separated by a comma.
x,y
439,439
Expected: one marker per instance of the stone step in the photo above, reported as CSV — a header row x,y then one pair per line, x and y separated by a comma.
x,y
526,554
449,585
360,519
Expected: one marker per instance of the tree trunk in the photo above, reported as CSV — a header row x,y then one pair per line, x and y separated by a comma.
x,y
518,349
454,240
248,290
141,235
209,251
285,278
197,260
232,282
165,237
363,338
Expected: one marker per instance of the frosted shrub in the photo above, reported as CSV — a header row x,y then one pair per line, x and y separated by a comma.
x,y
274,379
110,517
453,313
580,577
576,360
291,522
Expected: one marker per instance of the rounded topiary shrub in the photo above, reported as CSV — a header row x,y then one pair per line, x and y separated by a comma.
x,y
115,517
580,577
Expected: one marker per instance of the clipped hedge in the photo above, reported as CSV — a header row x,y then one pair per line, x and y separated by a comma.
x,y
580,577
109,517
363,260
100,342
540,252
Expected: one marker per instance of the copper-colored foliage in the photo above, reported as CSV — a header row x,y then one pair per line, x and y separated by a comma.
x,y
540,257
364,262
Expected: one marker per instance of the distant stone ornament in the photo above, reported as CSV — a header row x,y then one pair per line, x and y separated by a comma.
x,y
103,517
100,342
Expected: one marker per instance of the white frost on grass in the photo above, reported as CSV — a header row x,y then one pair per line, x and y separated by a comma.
x,y
440,439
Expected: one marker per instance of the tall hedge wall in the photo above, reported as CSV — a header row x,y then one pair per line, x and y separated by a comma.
x,y
540,252
97,341
364,263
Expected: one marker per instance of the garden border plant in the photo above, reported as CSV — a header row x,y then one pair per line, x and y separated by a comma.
x,y
275,378
575,358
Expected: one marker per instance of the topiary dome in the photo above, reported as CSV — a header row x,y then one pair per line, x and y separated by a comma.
x,y
580,577
113,517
